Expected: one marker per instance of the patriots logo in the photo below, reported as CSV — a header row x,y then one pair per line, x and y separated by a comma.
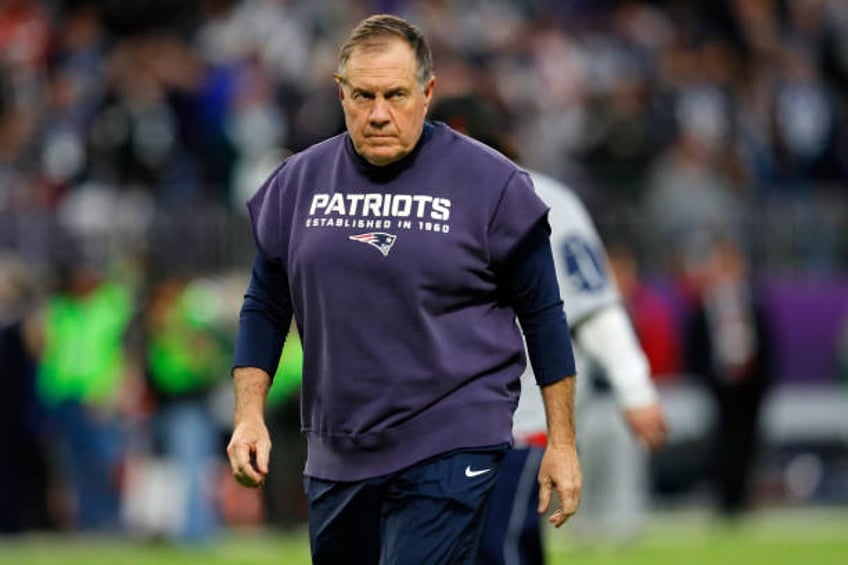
x,y
382,241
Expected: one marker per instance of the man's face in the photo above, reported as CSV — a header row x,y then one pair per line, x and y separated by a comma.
x,y
384,106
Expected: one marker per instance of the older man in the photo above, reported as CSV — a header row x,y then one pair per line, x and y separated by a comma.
x,y
405,252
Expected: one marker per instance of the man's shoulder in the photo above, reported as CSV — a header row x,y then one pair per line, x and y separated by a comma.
x,y
317,151
295,164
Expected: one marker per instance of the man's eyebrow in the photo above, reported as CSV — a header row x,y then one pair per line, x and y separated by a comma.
x,y
396,90
359,90
342,80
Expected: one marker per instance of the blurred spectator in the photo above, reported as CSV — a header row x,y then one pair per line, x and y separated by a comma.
x,y
729,348
667,113
186,359
25,34
74,87
257,128
83,380
687,192
23,471
142,129
626,139
655,322
626,128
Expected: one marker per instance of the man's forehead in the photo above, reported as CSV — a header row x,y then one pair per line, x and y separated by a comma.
x,y
381,55
379,44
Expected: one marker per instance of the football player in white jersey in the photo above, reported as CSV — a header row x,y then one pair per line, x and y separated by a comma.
x,y
614,465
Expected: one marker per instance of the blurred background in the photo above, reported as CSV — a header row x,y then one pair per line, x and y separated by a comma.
x,y
709,140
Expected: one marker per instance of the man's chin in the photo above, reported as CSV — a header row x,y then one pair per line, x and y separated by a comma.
x,y
382,156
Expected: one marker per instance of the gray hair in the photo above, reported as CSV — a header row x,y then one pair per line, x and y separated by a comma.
x,y
382,25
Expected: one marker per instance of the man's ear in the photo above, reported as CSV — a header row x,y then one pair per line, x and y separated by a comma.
x,y
339,80
428,90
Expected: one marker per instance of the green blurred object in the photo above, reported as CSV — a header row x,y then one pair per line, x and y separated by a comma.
x,y
185,354
289,371
83,358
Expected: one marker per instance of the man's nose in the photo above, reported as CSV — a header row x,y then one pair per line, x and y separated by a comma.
x,y
379,111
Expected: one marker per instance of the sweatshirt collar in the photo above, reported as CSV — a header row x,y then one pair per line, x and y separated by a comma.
x,y
388,172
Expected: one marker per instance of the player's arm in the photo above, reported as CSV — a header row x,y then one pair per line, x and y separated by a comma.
x,y
263,323
532,284
607,335
609,339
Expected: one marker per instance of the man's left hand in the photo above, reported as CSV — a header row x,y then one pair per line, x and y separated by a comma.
x,y
560,472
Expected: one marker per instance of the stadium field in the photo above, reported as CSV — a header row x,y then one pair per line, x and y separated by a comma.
x,y
774,538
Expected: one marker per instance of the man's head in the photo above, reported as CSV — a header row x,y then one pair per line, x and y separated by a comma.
x,y
385,78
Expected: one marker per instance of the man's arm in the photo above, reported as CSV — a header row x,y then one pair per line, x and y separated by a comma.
x,y
560,466
263,323
608,338
250,445
533,285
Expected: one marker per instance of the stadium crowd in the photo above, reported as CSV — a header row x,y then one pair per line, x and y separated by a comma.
x,y
131,134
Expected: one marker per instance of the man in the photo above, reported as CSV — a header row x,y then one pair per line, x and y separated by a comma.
x,y
405,252
602,334
729,349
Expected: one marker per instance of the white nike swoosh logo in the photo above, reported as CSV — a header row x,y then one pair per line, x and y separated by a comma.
x,y
469,473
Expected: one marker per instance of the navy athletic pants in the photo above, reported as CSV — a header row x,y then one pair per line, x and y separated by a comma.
x,y
430,513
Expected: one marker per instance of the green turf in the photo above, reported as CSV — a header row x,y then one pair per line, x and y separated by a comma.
x,y
241,549
819,538
774,538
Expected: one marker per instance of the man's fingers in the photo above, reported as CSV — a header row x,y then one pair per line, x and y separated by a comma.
x,y
656,439
648,426
248,476
569,498
248,481
558,518
544,496
243,469
650,439
238,454
656,435
263,453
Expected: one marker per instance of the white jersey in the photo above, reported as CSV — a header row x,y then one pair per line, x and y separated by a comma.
x,y
586,287
581,262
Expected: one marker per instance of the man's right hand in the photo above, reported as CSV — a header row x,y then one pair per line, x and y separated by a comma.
x,y
249,450
250,444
